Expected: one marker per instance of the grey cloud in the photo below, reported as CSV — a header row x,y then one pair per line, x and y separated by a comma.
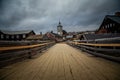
x,y
43,15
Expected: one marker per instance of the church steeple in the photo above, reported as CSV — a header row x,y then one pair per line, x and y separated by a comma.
x,y
59,23
59,28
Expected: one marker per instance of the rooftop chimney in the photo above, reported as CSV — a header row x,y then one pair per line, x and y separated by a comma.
x,y
117,13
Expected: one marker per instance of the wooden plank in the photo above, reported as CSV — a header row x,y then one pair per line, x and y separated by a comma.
x,y
22,47
62,62
102,45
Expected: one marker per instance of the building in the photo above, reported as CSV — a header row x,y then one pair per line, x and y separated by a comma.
x,y
52,36
110,24
60,29
15,35
35,37
69,37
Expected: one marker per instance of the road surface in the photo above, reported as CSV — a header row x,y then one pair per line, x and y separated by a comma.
x,y
62,62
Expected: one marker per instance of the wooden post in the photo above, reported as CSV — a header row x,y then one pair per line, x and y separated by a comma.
x,y
29,55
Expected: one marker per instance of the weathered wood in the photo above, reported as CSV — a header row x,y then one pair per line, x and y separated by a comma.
x,y
23,47
9,55
108,51
101,49
98,44
62,62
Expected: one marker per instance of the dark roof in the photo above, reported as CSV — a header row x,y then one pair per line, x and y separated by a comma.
x,y
16,32
100,36
64,32
114,18
56,35
59,25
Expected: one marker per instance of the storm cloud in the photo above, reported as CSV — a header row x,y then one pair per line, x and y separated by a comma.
x,y
44,15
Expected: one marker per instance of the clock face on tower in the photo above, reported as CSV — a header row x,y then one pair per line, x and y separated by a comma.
x,y
59,29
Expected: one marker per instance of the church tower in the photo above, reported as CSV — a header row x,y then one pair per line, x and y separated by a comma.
x,y
59,29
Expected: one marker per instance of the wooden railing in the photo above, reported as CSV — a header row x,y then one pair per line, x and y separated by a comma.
x,y
14,54
109,51
23,47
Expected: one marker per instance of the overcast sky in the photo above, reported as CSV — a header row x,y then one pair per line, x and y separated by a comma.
x,y
44,15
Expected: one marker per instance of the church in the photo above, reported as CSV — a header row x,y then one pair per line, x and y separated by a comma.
x,y
60,30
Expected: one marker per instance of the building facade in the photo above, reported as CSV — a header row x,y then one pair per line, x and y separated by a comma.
x,y
15,35
110,24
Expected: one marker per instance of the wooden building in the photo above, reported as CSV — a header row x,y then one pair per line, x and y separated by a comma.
x,y
35,38
52,36
110,24
15,35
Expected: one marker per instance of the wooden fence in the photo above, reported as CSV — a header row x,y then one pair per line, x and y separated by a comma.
x,y
109,51
9,55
